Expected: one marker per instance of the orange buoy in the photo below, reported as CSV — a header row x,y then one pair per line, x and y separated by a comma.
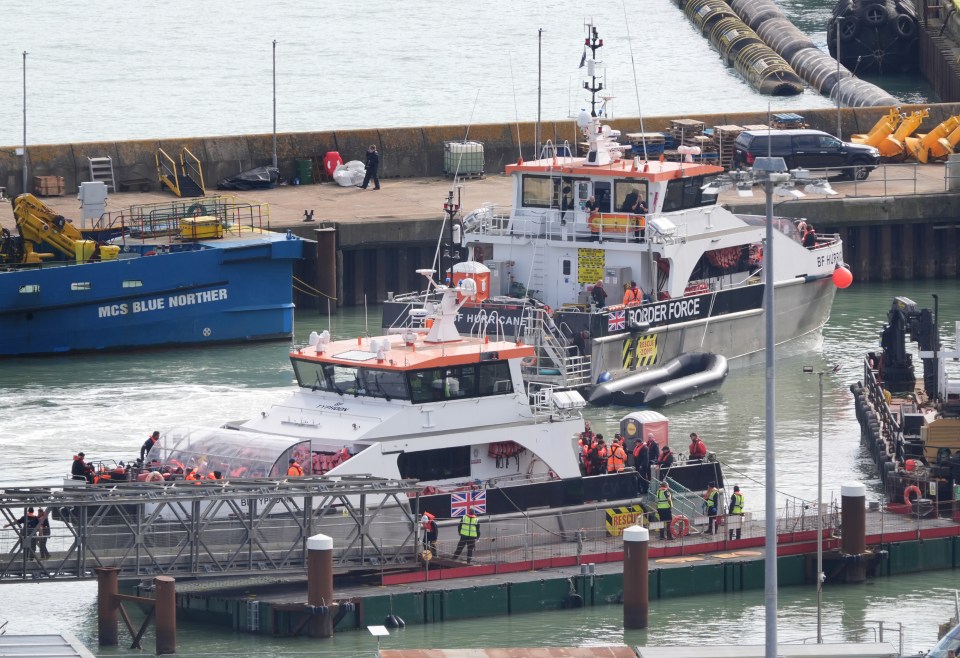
x,y
842,277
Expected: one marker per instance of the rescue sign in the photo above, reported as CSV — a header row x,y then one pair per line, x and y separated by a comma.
x,y
619,518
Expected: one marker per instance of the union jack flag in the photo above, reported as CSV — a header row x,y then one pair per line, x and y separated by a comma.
x,y
617,321
463,501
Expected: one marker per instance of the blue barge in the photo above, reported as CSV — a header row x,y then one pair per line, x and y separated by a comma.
x,y
179,273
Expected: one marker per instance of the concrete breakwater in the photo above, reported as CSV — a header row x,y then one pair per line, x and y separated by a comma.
x,y
406,152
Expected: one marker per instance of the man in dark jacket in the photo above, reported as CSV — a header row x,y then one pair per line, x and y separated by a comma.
x,y
599,295
373,168
147,445
641,461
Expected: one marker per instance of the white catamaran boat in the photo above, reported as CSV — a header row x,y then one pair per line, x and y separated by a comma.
x,y
576,221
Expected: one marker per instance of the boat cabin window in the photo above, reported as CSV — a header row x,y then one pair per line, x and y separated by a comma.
x,y
351,380
460,382
627,193
80,285
440,464
687,193
30,289
601,192
550,191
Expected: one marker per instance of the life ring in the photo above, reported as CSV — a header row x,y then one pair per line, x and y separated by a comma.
x,y
529,362
680,526
909,490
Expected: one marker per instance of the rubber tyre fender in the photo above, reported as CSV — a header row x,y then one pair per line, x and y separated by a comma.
x,y
906,26
874,15
848,28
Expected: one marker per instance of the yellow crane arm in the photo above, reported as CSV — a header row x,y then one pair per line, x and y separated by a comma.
x,y
38,223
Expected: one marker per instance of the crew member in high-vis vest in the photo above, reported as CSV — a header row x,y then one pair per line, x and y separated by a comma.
x,y
665,510
712,499
469,530
736,510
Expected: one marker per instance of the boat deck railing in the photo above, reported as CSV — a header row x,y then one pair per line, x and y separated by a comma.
x,y
148,221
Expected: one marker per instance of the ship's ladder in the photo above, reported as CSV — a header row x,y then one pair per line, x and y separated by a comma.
x,y
184,177
555,360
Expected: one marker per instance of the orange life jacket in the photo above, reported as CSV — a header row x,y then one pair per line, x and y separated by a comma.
x,y
295,470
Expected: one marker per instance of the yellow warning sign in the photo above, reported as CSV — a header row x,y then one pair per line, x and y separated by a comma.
x,y
639,351
589,265
619,518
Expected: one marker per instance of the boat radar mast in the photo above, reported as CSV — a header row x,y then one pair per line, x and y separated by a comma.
x,y
602,139
443,328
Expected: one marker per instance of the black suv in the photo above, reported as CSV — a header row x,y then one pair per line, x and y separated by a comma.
x,y
806,149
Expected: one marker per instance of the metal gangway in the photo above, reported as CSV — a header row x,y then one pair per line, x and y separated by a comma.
x,y
207,528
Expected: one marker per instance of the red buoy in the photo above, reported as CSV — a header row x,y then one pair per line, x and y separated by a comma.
x,y
842,277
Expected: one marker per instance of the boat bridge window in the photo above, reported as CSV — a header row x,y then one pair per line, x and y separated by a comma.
x,y
30,289
351,380
80,285
133,283
688,193
626,194
461,382
440,464
548,191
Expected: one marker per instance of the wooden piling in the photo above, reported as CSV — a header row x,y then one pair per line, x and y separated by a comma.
x,y
636,590
320,584
853,540
107,606
166,614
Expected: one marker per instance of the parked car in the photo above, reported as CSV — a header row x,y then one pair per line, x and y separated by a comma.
x,y
806,149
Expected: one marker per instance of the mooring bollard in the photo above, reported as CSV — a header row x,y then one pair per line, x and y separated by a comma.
x,y
853,540
320,584
165,602
636,586
107,606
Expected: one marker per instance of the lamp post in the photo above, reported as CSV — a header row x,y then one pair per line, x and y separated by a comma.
x,y
820,576
25,188
839,136
771,172
539,88
274,103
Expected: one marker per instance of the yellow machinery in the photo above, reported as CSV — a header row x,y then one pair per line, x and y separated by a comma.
x,y
936,144
881,130
890,132
38,223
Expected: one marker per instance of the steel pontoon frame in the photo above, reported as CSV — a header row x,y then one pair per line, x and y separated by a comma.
x,y
211,528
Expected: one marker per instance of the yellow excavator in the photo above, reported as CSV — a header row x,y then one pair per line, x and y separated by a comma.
x,y
889,134
39,224
936,144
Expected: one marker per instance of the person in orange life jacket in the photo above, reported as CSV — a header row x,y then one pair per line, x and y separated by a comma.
x,y
295,469
712,499
469,530
664,461
431,531
583,444
633,295
192,474
698,449
214,475
618,456
147,445
599,455
641,461
80,469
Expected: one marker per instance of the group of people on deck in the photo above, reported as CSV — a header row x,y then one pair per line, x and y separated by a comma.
x,y
632,295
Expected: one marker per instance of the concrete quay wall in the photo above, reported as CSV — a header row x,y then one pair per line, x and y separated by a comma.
x,y
405,152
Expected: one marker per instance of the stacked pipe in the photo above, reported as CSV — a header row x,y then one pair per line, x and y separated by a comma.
x,y
742,48
816,67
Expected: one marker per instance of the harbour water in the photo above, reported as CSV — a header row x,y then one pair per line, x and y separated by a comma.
x,y
182,69
107,404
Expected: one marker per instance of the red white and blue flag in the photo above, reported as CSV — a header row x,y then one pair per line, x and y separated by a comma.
x,y
617,321
462,502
